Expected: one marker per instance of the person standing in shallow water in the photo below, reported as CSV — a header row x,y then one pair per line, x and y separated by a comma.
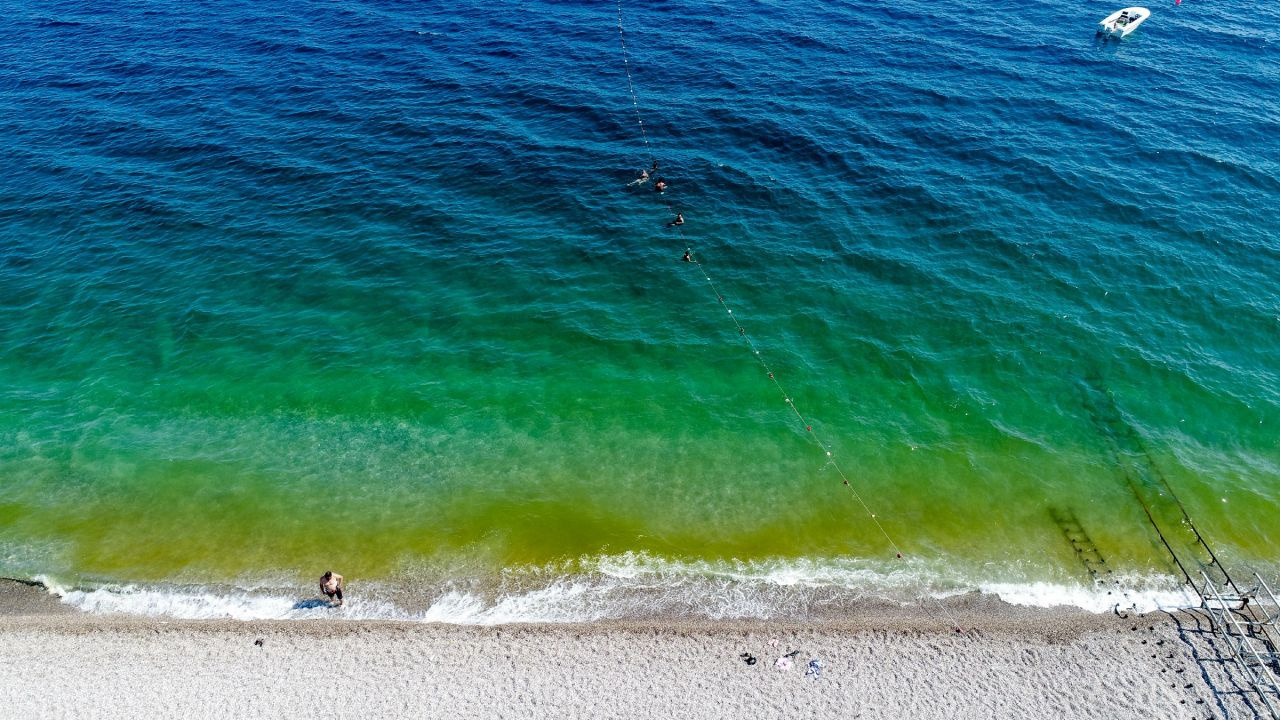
x,y
331,586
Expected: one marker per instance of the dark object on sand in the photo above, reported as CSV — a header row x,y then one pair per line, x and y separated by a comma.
x,y
748,658
258,642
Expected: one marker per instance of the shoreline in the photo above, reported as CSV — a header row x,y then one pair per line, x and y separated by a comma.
x,y
615,595
30,601
1009,662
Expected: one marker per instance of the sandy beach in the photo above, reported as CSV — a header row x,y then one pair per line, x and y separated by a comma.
x,y
1009,662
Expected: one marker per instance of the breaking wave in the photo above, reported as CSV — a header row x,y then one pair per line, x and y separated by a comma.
x,y
630,586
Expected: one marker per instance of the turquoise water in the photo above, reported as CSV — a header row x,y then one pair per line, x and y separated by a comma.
x,y
364,287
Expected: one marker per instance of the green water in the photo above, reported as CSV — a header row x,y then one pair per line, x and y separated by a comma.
x,y
202,448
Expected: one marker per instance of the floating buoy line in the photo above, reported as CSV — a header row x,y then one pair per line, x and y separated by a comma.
x,y
742,331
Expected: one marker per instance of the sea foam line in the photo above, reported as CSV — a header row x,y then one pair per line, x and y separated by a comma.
x,y
627,586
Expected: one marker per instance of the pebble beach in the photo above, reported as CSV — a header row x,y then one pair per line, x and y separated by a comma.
x,y
1008,662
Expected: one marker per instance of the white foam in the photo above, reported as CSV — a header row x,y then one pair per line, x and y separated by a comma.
x,y
847,573
629,586
194,604
1041,594
561,602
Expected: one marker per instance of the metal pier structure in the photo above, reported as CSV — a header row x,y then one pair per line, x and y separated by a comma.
x,y
1247,622
1245,618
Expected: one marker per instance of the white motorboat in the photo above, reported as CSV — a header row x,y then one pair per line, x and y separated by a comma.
x,y
1123,22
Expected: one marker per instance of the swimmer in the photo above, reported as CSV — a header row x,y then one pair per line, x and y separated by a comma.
x,y
331,586
678,221
644,178
687,257
660,185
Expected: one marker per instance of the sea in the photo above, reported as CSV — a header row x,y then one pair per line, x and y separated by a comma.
x,y
368,286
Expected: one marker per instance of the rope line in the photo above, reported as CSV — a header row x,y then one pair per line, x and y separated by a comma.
x,y
742,331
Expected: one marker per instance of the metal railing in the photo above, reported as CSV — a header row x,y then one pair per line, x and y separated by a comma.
x,y
1252,639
